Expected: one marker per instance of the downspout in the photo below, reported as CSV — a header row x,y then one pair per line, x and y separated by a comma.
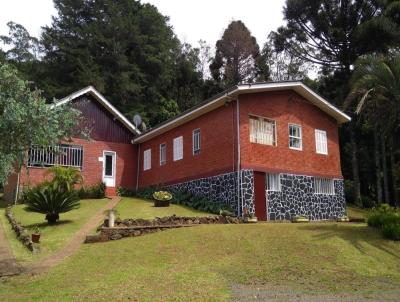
x,y
138,168
17,189
238,156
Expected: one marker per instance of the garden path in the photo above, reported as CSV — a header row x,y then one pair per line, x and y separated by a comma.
x,y
8,264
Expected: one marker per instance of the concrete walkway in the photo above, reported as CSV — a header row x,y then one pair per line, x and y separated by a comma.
x,y
8,264
73,245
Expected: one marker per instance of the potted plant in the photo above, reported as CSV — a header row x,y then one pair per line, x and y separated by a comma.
x,y
162,198
36,235
249,217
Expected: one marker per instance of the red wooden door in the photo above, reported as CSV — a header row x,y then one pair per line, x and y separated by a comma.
x,y
259,191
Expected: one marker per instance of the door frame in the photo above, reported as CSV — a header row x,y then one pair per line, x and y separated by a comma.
x,y
114,168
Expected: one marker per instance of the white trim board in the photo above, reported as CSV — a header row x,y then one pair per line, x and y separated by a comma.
x,y
102,100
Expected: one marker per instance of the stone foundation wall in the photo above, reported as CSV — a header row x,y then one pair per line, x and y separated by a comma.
x,y
297,198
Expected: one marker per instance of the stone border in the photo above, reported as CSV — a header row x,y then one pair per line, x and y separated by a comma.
x,y
21,232
139,227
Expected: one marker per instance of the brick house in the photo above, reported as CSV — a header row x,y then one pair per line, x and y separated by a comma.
x,y
272,148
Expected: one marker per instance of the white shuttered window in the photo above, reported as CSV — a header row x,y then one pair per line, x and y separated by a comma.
x,y
321,143
196,141
262,131
295,139
163,154
178,148
324,186
273,182
147,160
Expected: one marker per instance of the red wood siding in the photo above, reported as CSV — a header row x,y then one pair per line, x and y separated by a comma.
x,y
217,154
284,108
104,126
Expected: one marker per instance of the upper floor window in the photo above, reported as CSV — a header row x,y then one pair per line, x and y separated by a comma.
x,y
196,141
295,139
178,148
273,182
163,154
324,186
147,160
262,131
321,142
58,155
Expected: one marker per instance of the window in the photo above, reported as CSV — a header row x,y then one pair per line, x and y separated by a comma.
x,y
321,143
196,141
163,154
262,131
273,182
58,155
295,140
108,165
178,148
324,186
147,160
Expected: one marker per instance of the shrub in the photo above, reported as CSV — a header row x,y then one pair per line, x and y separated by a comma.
x,y
51,201
65,177
391,231
121,191
162,195
146,193
94,192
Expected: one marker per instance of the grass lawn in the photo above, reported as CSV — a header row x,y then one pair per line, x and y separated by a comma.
x,y
202,263
356,212
53,237
140,208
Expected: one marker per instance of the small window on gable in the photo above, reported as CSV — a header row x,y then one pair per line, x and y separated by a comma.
x,y
273,182
178,148
147,160
262,131
324,186
163,154
295,137
321,142
196,141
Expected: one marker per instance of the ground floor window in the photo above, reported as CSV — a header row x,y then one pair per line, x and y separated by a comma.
x,y
273,182
324,186
58,155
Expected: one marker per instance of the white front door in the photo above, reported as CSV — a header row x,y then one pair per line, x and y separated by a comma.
x,y
109,164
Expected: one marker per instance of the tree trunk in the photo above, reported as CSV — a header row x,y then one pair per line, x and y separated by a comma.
x,y
385,170
393,174
377,166
354,163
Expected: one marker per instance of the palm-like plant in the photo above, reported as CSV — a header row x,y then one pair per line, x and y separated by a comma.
x,y
65,178
51,201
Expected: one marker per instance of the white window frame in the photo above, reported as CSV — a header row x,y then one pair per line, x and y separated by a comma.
x,y
253,137
319,148
147,160
324,186
178,148
163,161
267,180
196,134
59,155
296,137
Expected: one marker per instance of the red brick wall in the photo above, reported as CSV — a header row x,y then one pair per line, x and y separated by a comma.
x,y
126,163
217,154
284,108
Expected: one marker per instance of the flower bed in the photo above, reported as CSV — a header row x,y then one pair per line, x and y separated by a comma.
x,y
21,232
138,227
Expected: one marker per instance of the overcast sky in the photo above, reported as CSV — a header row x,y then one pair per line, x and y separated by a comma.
x,y
192,19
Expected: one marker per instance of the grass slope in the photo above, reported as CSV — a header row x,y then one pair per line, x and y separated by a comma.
x,y
53,237
139,208
203,262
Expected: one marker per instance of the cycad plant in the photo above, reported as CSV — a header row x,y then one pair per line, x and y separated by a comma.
x,y
51,201
65,177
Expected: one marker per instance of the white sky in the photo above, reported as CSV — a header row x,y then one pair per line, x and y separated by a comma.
x,y
192,19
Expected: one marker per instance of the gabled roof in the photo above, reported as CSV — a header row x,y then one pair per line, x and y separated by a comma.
x,y
102,100
220,99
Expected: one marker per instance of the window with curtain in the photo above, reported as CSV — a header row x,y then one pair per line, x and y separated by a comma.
x,y
147,160
324,186
262,131
163,154
178,148
273,182
321,142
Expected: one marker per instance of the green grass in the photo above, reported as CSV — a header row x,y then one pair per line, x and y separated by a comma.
x,y
139,208
54,237
203,262
355,212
